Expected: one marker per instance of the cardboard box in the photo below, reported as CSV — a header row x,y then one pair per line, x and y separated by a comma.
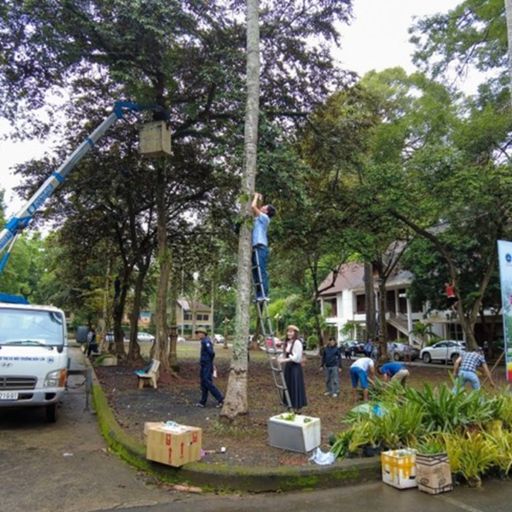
x,y
399,468
173,446
151,424
155,139
433,473
302,434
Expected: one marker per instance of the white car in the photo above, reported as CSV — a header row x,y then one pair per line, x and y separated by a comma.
x,y
218,338
145,337
445,350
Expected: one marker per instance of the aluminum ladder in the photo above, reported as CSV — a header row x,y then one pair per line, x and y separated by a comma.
x,y
268,334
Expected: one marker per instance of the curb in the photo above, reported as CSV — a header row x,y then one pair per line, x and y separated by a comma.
x,y
228,477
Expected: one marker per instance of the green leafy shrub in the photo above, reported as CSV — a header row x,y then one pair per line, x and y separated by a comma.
x,y
431,444
445,411
470,455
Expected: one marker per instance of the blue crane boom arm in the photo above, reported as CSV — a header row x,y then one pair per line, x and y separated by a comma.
x,y
16,224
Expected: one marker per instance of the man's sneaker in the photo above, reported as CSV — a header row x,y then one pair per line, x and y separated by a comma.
x,y
220,405
327,393
335,395
199,404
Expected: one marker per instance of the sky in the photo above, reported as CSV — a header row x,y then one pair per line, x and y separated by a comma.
x,y
376,39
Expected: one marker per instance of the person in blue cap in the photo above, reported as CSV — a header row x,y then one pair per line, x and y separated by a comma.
x,y
206,370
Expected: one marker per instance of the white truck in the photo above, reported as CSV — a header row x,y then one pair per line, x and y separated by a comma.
x,y
33,357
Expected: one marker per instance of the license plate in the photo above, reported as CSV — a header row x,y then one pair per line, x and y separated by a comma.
x,y
8,395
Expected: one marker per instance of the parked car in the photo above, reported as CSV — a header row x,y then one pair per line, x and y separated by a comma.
x,y
218,338
109,337
402,351
352,346
444,350
145,337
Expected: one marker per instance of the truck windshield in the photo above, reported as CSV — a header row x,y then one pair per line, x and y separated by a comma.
x,y
31,327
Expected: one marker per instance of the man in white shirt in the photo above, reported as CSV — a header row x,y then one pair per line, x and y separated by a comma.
x,y
362,371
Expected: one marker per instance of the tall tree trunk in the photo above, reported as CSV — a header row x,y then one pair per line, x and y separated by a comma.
x,y
173,337
133,347
118,313
212,305
508,10
105,308
383,328
164,264
235,402
369,291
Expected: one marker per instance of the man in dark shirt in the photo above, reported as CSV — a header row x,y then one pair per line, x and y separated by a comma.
x,y
331,364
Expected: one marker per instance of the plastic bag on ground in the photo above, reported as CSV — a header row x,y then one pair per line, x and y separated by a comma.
x,y
322,458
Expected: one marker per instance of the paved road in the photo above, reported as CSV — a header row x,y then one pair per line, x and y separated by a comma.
x,y
493,497
65,467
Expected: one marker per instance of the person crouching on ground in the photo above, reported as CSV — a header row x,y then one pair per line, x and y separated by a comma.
x,y
331,364
206,370
465,369
293,374
394,372
362,371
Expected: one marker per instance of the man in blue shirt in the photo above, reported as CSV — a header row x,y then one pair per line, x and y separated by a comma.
x,y
394,371
262,216
206,371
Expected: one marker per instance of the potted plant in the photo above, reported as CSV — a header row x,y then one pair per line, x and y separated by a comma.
x,y
433,472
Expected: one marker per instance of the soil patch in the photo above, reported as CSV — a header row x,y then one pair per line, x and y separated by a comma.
x,y
245,441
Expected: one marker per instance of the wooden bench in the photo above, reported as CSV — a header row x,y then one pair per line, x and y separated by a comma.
x,y
149,376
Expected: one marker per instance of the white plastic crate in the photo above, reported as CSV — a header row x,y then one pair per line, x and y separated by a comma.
x,y
300,434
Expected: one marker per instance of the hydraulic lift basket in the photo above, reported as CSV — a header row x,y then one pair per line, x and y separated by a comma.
x,y
155,139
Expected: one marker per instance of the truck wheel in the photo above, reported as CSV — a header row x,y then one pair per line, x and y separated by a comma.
x,y
426,358
51,413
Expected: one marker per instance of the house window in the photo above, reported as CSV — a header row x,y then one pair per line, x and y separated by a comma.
x,y
360,304
187,315
330,308
203,316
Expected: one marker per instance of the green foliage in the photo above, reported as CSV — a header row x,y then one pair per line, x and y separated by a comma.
x,y
340,447
471,454
312,342
501,439
474,32
446,411
431,444
504,408
467,426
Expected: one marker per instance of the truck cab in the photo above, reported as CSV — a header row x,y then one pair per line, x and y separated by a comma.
x,y
33,357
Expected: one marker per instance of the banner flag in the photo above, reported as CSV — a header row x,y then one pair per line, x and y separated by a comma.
x,y
505,264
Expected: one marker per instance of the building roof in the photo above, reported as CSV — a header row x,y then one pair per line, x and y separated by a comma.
x,y
186,305
350,276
